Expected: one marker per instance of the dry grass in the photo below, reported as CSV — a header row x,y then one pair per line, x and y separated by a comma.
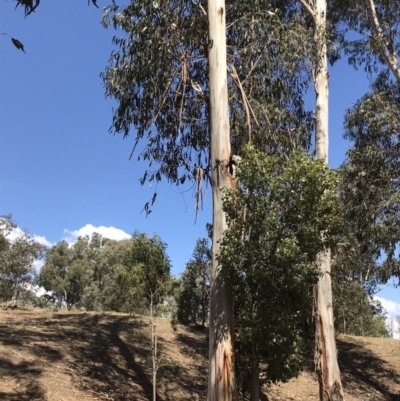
x,y
91,356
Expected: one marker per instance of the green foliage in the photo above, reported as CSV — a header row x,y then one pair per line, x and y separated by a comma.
x,y
369,198
158,76
194,295
356,313
371,183
103,292
276,215
130,298
66,271
367,47
101,274
17,256
150,265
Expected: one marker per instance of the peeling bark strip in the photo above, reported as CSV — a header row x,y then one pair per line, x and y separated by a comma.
x,y
221,383
325,357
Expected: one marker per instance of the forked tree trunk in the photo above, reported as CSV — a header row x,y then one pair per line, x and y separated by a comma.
x,y
221,382
325,357
13,303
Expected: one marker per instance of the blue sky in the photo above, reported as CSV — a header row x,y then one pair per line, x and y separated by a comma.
x,y
60,169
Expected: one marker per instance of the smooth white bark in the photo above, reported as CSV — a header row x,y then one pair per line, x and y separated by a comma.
x,y
325,344
325,356
390,57
221,364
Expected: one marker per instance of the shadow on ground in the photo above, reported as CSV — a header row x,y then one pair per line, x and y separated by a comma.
x,y
362,369
25,375
106,355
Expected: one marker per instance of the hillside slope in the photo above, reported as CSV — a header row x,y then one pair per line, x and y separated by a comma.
x,y
91,356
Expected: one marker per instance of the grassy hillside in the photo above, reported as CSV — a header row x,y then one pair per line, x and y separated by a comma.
x,y
91,356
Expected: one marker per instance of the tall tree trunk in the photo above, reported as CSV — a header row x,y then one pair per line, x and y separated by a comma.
x,y
221,382
255,374
325,357
154,356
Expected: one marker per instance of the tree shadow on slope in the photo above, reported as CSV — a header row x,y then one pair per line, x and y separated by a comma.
x,y
361,368
191,374
25,376
103,362
20,377
111,357
108,356
195,341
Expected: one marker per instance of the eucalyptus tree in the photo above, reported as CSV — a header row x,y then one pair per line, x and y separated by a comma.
x,y
371,187
325,356
371,170
194,295
66,271
377,43
269,254
221,378
17,256
159,76
147,262
356,312
103,292
371,183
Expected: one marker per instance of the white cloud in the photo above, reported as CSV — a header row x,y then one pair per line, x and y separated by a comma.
x,y
106,232
392,311
392,308
15,233
37,264
393,325
42,240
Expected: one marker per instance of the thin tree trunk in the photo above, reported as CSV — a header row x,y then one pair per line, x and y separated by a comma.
x,y
390,57
203,313
255,375
325,356
153,349
344,323
221,382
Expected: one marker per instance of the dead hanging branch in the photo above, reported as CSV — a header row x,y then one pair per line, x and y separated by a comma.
x,y
249,110
183,80
15,42
198,189
29,5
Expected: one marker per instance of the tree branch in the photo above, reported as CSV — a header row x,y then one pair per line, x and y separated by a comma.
x,y
390,58
307,6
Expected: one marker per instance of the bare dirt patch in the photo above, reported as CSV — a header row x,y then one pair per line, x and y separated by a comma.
x,y
88,356
92,356
370,369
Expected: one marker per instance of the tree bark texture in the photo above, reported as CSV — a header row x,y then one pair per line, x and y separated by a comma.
x,y
325,356
221,385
